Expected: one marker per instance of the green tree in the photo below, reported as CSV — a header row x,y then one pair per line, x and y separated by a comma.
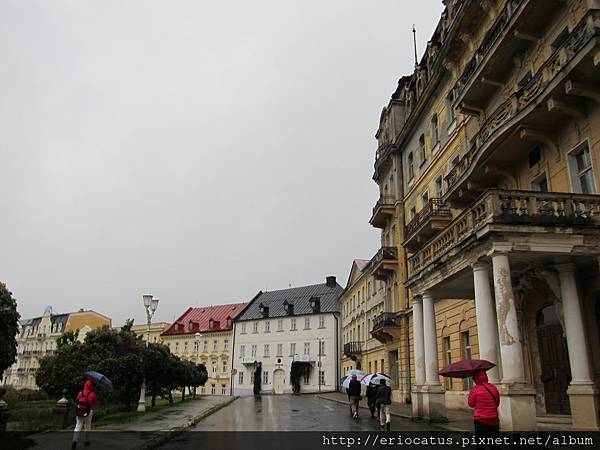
x,y
67,338
9,326
160,370
127,326
118,355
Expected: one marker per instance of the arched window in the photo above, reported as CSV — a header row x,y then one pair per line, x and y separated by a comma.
x,y
422,148
435,135
411,167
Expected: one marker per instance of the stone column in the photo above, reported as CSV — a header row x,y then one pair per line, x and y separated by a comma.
x,y
419,357
432,376
583,395
517,399
434,400
487,327
419,348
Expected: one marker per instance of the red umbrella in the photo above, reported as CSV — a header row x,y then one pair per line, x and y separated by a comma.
x,y
466,368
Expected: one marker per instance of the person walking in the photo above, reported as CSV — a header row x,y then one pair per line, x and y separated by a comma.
x,y
485,398
353,392
84,411
383,399
371,394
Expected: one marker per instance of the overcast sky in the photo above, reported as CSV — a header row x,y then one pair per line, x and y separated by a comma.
x,y
196,150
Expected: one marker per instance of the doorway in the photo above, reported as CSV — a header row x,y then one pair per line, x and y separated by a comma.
x,y
554,360
278,381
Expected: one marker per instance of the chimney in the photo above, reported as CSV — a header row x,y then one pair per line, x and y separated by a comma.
x,y
330,281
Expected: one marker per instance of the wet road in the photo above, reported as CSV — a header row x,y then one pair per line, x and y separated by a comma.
x,y
294,413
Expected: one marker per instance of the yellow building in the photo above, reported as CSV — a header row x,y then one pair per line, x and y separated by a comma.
x,y
363,300
37,338
487,166
149,334
204,335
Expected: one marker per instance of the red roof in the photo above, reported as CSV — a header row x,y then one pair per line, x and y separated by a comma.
x,y
205,319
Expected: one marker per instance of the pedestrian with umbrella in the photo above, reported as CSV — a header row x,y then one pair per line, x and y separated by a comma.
x,y
87,402
353,388
372,381
484,397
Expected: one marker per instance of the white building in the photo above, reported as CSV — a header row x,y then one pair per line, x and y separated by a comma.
x,y
278,328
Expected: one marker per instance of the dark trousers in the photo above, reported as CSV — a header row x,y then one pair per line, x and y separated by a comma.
x,y
485,431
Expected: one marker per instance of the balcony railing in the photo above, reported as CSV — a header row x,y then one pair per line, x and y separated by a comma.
x,y
383,208
524,97
497,206
352,348
385,319
435,207
510,10
382,262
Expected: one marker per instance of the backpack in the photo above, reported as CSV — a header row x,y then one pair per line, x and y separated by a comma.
x,y
84,407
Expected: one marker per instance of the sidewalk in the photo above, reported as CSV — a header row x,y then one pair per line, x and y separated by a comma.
x,y
457,420
145,431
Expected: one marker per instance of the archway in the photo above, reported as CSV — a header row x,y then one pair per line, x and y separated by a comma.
x,y
554,360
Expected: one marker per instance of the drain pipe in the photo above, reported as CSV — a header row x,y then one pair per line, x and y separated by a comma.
x,y
337,359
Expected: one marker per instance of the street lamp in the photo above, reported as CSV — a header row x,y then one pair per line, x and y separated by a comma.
x,y
150,304
319,368
197,338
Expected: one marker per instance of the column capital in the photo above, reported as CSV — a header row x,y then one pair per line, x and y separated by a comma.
x,y
565,267
427,295
417,299
480,265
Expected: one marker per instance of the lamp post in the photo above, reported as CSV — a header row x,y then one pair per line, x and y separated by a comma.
x,y
319,368
150,303
197,338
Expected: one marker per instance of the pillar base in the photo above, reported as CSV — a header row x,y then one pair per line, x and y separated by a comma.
x,y
517,407
417,402
585,413
434,403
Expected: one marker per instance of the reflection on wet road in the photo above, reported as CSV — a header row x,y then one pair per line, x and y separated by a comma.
x,y
294,413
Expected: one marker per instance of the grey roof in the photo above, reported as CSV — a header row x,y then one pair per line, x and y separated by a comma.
x,y
300,297
55,318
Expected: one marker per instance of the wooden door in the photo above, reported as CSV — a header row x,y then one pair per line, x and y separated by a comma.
x,y
556,371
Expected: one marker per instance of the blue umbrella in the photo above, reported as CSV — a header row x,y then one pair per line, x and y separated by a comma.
x,y
99,379
358,373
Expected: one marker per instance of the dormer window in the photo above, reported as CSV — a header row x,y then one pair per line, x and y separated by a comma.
x,y
288,307
213,324
264,310
190,325
229,322
315,304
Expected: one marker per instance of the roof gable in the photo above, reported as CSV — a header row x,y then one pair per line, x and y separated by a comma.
x,y
205,319
300,298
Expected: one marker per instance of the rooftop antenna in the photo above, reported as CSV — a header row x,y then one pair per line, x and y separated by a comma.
x,y
414,30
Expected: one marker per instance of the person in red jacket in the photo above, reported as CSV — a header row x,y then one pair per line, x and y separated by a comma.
x,y
84,410
485,398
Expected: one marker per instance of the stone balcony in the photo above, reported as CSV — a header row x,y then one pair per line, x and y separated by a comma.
x,y
432,218
499,210
386,327
383,210
517,27
537,105
383,263
353,349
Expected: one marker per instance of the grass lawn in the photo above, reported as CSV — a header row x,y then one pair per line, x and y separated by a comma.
x,y
128,416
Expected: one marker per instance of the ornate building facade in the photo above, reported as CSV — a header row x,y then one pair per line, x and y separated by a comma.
x,y
488,171
37,338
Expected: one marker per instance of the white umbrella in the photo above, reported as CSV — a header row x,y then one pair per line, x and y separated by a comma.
x,y
347,380
375,378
